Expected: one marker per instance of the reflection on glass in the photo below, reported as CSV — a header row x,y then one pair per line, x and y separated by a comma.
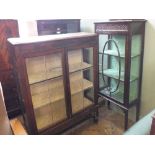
x,y
47,89
81,78
43,67
109,80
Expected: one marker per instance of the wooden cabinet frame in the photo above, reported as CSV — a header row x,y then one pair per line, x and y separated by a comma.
x,y
127,29
20,50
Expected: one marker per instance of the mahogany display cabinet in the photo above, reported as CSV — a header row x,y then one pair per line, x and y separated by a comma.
x,y
57,79
121,46
58,26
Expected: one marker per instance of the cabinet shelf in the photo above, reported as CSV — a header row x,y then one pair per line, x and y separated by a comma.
x,y
55,73
79,102
80,66
48,119
85,85
43,98
53,113
118,95
112,73
37,78
115,53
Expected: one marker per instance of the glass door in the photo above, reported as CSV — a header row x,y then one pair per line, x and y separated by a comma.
x,y
45,76
112,67
81,78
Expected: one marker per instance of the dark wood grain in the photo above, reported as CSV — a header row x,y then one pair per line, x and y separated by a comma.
x,y
8,28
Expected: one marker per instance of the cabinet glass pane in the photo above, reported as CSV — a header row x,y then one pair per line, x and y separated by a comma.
x,y
81,78
135,65
109,75
47,89
102,41
43,67
111,67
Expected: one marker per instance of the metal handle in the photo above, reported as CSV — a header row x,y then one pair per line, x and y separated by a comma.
x,y
111,40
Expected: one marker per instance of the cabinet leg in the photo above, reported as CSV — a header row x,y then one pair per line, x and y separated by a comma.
x,y
137,111
109,105
95,117
126,120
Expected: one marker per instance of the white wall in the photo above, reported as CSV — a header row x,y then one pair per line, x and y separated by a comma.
x,y
87,25
148,84
27,28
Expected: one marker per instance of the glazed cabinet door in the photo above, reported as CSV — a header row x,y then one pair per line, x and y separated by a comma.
x,y
81,78
46,83
112,66
115,61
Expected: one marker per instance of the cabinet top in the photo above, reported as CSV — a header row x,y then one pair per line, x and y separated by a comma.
x,y
36,39
57,20
122,21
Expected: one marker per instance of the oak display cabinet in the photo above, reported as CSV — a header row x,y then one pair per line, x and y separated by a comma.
x,y
121,46
57,78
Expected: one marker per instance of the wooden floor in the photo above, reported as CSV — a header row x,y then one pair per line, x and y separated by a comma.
x,y
110,123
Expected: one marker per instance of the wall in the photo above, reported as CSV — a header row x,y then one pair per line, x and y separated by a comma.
x,y
148,88
27,28
87,25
